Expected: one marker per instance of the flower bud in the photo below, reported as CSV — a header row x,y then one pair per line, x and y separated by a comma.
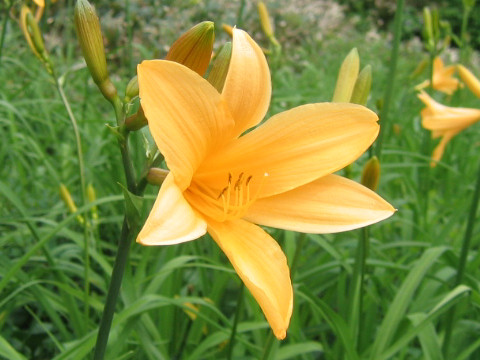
x,y
68,200
428,26
219,71
362,86
228,29
265,19
92,196
347,77
24,13
371,174
194,48
469,79
136,121
132,89
156,176
89,35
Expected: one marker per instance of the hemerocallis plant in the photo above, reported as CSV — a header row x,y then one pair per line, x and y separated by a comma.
x,y
280,174
445,122
443,79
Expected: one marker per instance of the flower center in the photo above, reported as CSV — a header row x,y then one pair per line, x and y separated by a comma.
x,y
228,203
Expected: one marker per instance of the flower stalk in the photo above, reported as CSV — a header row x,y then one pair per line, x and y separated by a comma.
x,y
384,113
462,262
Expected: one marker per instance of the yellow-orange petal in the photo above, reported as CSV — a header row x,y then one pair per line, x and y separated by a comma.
x,y
440,148
470,80
262,265
185,114
40,3
171,220
295,147
327,205
248,87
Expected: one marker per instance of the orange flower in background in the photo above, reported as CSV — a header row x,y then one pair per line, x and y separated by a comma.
x,y
279,174
443,79
445,122
470,80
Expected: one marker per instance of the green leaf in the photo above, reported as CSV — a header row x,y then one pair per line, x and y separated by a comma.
x,y
133,207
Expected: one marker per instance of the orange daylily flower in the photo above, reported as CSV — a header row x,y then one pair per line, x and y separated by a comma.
x,y
279,174
445,122
443,79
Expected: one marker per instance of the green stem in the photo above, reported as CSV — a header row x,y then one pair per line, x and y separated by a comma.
x,y
391,78
357,285
4,30
113,291
268,346
462,262
296,256
83,185
463,34
124,242
235,322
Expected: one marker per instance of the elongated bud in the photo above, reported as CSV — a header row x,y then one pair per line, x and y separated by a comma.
x,y
35,34
89,35
136,121
362,86
347,77
265,19
219,71
428,28
68,200
194,48
156,176
24,13
371,174
92,196
132,89
469,79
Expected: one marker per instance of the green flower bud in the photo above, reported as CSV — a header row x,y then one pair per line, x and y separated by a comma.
x,y
35,34
89,35
194,48
156,176
132,89
136,121
347,77
362,86
219,71
371,174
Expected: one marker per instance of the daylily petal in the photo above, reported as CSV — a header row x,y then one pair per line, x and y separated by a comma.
x,y
186,115
440,148
328,205
248,87
262,265
40,3
172,220
294,148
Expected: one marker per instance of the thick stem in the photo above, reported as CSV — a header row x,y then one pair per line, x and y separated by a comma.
x,y
462,262
124,242
391,78
113,291
235,322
